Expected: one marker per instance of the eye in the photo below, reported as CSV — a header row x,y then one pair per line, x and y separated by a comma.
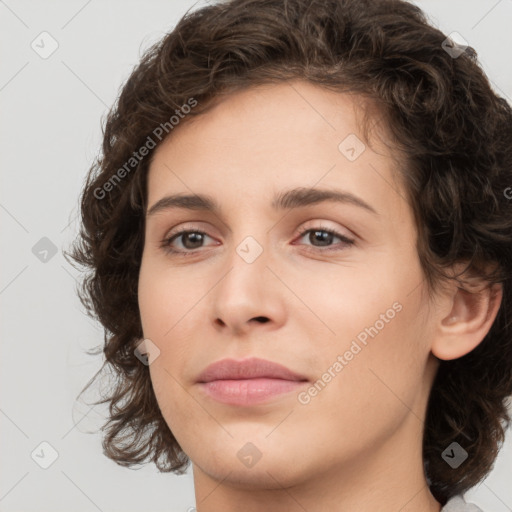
x,y
324,237
190,239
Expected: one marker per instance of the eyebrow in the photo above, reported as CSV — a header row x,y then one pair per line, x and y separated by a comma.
x,y
294,198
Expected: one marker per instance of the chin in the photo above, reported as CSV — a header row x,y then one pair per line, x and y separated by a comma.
x,y
269,474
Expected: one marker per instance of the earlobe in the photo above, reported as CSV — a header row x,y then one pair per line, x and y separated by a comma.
x,y
469,319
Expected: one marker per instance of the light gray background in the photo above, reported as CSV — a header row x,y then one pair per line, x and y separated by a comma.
x,y
50,133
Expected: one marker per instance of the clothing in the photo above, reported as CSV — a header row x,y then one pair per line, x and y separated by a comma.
x,y
457,504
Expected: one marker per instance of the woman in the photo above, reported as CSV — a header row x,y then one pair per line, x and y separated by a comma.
x,y
299,242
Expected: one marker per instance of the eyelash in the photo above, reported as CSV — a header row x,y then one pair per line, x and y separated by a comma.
x,y
165,245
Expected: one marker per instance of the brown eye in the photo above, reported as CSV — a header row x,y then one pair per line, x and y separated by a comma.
x,y
324,237
190,239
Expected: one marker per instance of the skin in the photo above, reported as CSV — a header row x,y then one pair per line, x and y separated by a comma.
x,y
357,444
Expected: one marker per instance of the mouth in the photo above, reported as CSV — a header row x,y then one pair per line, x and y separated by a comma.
x,y
249,381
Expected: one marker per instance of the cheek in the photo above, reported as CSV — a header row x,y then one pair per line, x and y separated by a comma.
x,y
163,300
169,315
386,376
180,411
382,337
379,384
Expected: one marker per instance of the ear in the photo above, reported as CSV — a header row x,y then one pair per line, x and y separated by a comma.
x,y
464,317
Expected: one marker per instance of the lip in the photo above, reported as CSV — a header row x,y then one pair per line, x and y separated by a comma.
x,y
248,381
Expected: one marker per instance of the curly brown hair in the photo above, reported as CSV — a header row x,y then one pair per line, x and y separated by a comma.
x,y
454,135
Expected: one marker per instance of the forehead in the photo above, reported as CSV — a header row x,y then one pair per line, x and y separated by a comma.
x,y
274,137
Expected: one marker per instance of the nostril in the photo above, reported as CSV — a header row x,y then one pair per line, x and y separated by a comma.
x,y
261,319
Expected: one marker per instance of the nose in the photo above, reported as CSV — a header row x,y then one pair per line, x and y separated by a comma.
x,y
248,297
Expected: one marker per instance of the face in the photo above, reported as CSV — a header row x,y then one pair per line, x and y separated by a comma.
x,y
330,289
